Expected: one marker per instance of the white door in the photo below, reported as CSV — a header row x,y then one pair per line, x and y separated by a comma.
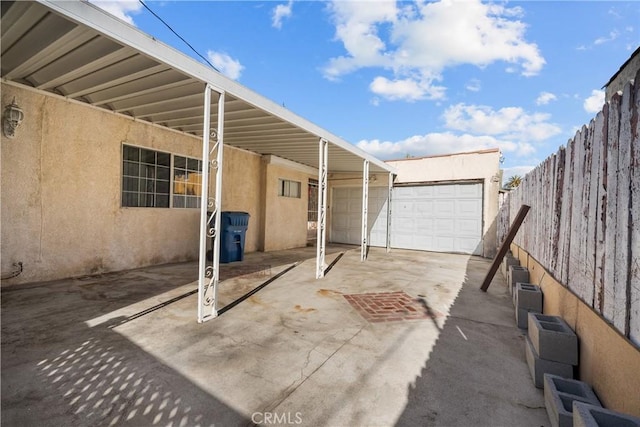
x,y
346,215
439,218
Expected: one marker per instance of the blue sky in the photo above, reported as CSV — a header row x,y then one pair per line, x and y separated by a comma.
x,y
415,78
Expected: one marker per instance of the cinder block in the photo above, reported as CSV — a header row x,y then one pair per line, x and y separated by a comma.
x,y
553,339
559,395
538,367
508,261
516,274
522,317
585,415
528,297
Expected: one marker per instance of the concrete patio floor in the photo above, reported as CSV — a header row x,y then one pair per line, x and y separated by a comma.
x,y
89,351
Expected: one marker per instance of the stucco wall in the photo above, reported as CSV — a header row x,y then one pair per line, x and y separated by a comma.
x,y
61,192
241,183
608,362
285,219
481,165
627,72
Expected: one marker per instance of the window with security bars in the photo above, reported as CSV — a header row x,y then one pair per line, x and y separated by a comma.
x,y
288,188
146,177
187,182
312,211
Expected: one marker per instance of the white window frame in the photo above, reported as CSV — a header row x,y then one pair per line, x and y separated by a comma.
x,y
171,181
186,197
138,192
285,188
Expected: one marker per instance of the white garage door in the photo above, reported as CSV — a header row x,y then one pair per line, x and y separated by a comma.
x,y
346,215
439,218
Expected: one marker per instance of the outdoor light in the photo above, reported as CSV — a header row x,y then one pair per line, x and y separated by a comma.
x,y
11,119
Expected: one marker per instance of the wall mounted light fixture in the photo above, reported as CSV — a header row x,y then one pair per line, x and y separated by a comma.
x,y
11,119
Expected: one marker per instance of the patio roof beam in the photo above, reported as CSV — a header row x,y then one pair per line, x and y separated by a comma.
x,y
209,275
390,193
323,153
365,210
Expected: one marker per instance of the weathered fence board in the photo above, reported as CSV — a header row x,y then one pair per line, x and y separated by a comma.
x,y
575,269
634,273
601,226
584,224
585,263
565,214
595,233
621,274
610,288
557,219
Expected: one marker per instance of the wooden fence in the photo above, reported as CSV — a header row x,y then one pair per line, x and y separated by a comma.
x,y
584,222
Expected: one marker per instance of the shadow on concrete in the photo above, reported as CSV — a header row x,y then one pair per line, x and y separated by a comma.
x,y
476,373
58,371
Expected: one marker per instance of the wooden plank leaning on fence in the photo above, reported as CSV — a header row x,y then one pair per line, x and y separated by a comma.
x,y
504,247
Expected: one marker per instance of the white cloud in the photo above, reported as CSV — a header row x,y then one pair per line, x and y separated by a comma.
x,y
512,123
123,9
545,97
406,89
280,12
615,13
474,85
594,103
440,143
227,65
417,42
511,129
611,37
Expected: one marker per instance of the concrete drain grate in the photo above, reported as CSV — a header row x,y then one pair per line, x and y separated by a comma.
x,y
388,306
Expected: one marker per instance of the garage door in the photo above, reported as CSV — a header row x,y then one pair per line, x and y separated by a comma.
x,y
346,215
439,218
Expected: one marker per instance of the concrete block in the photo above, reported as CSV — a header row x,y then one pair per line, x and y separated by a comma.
x,y
585,415
508,261
559,395
522,317
516,274
538,367
553,339
528,297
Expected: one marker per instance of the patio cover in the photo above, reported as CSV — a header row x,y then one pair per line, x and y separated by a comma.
x,y
76,50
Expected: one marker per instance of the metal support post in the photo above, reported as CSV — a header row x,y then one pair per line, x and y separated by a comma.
x,y
208,275
323,154
365,210
389,212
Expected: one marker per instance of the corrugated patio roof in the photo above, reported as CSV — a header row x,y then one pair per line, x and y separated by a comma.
x,y
77,50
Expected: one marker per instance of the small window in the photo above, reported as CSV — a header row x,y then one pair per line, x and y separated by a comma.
x,y
287,188
187,182
145,177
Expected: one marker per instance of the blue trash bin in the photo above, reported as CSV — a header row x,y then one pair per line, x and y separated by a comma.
x,y
233,228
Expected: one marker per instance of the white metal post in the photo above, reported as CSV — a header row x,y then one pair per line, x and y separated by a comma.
x,y
365,210
389,212
208,275
323,154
